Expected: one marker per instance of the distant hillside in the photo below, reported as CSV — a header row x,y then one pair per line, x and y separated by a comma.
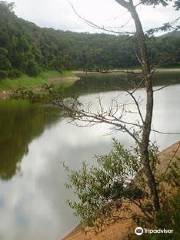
x,y
27,48
174,34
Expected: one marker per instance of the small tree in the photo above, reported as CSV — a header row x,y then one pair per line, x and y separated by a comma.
x,y
139,131
110,179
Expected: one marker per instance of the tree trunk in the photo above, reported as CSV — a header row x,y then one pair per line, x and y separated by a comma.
x,y
146,68
144,147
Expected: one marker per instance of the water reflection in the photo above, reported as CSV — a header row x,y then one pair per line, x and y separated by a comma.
x,y
20,123
33,202
95,83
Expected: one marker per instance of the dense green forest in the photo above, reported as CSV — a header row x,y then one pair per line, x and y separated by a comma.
x,y
27,48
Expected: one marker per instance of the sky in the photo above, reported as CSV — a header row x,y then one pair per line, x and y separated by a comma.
x,y
59,14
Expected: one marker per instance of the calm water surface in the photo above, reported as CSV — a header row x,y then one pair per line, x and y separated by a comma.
x,y
33,142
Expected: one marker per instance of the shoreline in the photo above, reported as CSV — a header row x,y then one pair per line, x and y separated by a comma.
x,y
37,84
47,79
66,78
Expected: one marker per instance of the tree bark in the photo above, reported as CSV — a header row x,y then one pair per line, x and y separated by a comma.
x,y
147,74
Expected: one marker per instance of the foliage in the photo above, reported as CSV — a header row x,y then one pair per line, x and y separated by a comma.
x,y
3,74
177,4
4,61
32,69
14,73
118,176
156,2
28,48
110,179
168,218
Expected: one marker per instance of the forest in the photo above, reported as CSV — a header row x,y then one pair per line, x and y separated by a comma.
x,y
27,48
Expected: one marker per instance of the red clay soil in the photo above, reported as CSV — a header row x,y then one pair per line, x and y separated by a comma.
x,y
120,229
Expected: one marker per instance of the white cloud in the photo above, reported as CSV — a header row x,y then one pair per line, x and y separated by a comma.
x,y
58,14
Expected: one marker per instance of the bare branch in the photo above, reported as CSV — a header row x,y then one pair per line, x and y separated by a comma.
x,y
137,104
100,117
138,4
158,89
165,133
123,3
94,25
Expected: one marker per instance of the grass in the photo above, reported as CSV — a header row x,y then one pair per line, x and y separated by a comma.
x,y
32,82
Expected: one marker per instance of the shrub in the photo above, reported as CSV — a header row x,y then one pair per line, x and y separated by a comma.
x,y
97,186
168,218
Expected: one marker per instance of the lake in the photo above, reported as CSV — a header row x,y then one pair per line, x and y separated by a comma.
x,y
35,139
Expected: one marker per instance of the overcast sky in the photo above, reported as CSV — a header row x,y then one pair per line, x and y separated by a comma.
x,y
58,14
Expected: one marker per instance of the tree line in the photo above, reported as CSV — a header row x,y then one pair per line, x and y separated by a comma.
x,y
27,48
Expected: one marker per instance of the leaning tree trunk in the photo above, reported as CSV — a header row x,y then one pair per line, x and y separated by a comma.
x,y
147,74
